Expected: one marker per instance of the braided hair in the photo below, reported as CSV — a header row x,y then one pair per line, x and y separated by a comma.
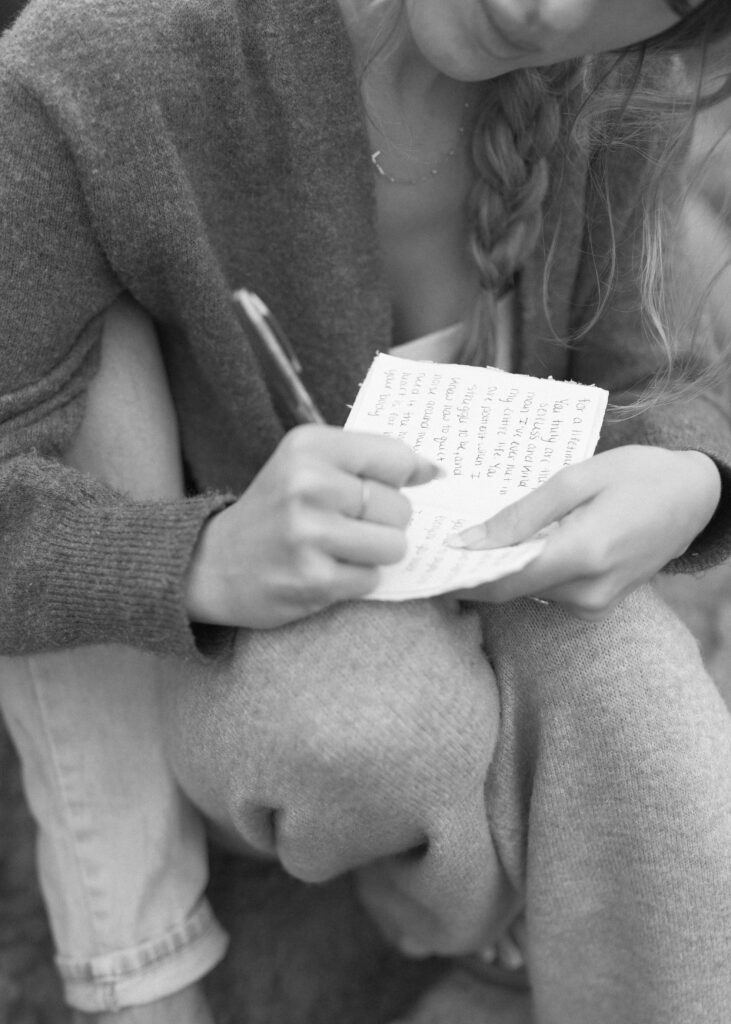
x,y
519,127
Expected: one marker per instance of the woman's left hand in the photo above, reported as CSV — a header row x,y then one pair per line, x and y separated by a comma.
x,y
621,516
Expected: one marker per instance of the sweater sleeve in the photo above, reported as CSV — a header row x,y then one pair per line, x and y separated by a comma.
x,y
618,354
79,562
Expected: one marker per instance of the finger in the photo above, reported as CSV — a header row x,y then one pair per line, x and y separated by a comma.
x,y
368,455
564,575
592,600
574,597
374,502
327,487
510,955
589,569
362,543
554,500
323,581
353,581
564,560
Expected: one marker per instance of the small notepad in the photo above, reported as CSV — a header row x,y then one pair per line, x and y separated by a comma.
x,y
497,435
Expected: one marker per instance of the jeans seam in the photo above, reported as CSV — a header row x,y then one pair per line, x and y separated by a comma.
x,y
65,804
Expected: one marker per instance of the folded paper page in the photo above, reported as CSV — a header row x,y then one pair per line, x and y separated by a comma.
x,y
497,435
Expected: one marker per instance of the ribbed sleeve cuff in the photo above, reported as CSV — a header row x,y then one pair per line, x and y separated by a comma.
x,y
119,575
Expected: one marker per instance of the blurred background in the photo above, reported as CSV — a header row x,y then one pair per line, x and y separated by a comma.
x,y
8,11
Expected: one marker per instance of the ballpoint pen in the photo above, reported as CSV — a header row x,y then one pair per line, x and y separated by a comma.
x,y
278,360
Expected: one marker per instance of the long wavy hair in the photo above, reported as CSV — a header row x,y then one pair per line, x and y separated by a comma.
x,y
641,97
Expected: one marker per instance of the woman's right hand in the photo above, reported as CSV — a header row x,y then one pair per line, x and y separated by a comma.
x,y
311,529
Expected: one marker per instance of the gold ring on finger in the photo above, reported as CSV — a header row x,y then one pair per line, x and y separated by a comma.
x,y
365,493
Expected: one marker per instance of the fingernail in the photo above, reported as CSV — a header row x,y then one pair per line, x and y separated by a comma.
x,y
473,537
511,957
412,948
426,470
438,472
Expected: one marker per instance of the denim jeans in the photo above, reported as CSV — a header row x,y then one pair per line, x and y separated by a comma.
x,y
121,852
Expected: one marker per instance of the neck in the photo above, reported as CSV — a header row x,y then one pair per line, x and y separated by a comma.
x,y
416,115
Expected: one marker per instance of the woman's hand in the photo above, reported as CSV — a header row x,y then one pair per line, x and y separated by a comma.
x,y
621,516
312,528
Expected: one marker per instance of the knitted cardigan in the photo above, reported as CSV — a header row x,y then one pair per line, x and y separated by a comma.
x,y
176,150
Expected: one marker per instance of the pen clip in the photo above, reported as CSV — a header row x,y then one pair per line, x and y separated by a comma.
x,y
278,360
258,304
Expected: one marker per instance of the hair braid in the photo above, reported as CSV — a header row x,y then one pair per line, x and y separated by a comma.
x,y
518,126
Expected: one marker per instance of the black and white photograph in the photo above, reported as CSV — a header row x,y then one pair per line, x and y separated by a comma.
x,y
365,512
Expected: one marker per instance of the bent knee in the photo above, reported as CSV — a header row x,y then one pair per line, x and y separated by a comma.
x,y
634,681
383,694
324,746
129,434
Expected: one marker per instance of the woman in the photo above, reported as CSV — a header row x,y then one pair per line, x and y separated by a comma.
x,y
156,156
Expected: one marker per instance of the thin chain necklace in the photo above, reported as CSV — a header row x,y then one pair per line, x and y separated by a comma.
x,y
434,169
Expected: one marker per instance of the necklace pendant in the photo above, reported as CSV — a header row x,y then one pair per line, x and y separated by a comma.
x,y
429,173
376,164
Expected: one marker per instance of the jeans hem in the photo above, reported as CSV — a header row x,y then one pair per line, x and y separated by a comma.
x,y
152,970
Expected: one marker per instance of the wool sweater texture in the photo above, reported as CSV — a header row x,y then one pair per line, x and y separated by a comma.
x,y
176,150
